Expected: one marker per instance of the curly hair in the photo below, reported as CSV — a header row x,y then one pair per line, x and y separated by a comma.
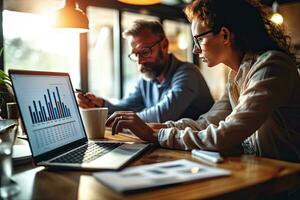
x,y
247,19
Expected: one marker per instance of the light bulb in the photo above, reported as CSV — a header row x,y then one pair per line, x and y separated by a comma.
x,y
277,18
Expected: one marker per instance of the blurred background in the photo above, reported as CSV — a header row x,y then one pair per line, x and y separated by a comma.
x,y
97,61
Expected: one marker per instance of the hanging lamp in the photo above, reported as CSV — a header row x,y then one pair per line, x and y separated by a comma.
x,y
70,17
140,2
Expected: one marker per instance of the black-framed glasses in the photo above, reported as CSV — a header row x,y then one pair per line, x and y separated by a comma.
x,y
199,38
143,52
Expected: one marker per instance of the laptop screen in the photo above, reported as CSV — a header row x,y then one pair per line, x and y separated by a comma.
x,y
49,110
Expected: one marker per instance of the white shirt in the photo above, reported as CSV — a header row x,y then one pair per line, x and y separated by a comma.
x,y
260,110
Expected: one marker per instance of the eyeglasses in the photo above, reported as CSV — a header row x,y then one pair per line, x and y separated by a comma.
x,y
199,38
144,52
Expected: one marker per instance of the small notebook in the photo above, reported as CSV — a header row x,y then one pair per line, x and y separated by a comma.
x,y
138,178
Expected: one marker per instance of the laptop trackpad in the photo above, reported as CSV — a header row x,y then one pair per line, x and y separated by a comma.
x,y
117,157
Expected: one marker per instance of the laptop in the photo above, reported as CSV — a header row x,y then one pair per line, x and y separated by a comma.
x,y
54,127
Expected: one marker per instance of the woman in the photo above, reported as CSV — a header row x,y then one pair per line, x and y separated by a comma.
x,y
260,109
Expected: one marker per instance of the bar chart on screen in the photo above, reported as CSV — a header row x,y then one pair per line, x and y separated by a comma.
x,y
50,108
51,115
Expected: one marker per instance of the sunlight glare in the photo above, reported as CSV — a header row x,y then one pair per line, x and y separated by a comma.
x,y
182,42
38,30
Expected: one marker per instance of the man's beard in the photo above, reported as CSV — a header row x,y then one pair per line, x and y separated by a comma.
x,y
149,75
153,70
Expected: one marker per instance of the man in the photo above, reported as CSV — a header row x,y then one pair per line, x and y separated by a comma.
x,y
169,89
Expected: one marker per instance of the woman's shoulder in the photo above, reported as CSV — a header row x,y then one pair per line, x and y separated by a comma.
x,y
272,58
275,56
269,62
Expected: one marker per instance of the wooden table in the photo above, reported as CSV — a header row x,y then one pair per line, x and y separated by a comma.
x,y
251,178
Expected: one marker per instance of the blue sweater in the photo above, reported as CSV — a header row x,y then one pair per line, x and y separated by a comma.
x,y
184,94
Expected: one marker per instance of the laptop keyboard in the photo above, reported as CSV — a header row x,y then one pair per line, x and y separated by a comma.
x,y
87,153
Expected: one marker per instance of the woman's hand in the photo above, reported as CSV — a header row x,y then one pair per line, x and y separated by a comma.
x,y
157,126
128,119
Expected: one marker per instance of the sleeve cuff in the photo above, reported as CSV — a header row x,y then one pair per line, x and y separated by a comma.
x,y
170,138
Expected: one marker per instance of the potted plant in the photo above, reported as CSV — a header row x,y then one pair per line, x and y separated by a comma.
x,y
6,94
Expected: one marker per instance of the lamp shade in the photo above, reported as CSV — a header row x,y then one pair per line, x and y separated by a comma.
x,y
140,2
72,18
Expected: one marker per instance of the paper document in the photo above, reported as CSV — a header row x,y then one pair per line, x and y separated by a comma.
x,y
159,174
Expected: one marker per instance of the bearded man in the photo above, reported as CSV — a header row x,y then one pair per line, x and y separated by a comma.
x,y
169,89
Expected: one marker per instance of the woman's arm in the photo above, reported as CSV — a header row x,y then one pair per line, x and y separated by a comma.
x,y
219,111
266,88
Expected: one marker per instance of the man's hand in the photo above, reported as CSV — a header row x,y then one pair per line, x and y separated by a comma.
x,y
128,119
89,100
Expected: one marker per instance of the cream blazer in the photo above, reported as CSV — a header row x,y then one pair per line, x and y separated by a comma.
x,y
259,111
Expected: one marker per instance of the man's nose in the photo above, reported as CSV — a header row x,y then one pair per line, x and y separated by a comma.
x,y
141,60
196,49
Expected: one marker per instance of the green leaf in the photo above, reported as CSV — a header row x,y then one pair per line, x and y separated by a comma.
x,y
4,79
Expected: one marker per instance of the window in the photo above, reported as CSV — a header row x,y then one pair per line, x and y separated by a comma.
x,y
30,44
102,71
180,39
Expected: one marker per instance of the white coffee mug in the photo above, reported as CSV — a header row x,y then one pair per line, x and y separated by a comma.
x,y
94,121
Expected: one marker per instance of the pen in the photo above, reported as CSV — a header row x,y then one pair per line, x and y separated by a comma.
x,y
214,157
80,91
